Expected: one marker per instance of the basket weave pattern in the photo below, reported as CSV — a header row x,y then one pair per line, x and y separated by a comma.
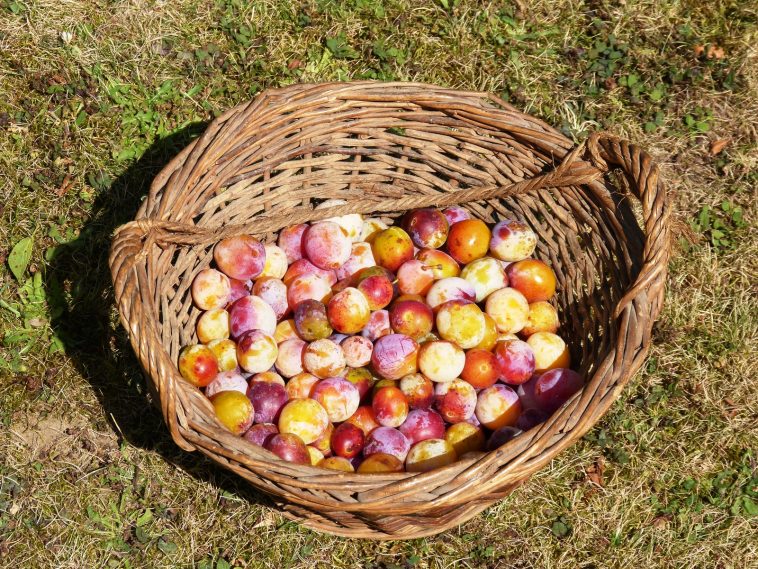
x,y
385,148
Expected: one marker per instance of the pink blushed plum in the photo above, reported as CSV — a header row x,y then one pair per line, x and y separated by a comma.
x,y
276,262
238,289
301,386
361,257
289,361
414,277
377,287
497,406
427,227
211,289
274,293
412,318
267,377
418,390
251,313
455,213
338,397
454,400
291,241
256,351
267,399
241,257
515,360
288,447
226,381
259,434
512,241
553,388
387,440
357,350
364,419
394,356
304,267
324,358
308,287
440,263
326,245
422,424
451,288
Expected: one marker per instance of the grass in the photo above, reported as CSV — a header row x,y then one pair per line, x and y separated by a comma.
x,y
97,96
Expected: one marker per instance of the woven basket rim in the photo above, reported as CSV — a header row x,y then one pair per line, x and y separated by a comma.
x,y
134,242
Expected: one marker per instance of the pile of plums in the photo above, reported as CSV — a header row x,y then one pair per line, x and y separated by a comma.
x,y
355,345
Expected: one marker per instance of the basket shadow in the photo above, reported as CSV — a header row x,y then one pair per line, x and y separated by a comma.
x,y
78,283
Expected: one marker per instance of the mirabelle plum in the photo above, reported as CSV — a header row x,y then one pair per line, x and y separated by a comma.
x,y
338,396
451,288
512,241
285,330
211,289
532,278
461,322
380,463
440,263
387,440
486,275
418,390
454,400
392,247
315,454
357,350
351,224
256,351
509,309
198,365
234,410
394,356
241,257
326,245
213,325
324,442
515,360
311,320
468,240
427,227
481,369
543,317
390,407
429,455
348,311
490,334
289,361
226,354
305,418
276,262
550,351
497,406
465,437
251,313
291,241
301,386
360,377
412,318
371,228
441,361
324,358
337,463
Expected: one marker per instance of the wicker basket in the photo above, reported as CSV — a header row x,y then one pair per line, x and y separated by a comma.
x,y
386,148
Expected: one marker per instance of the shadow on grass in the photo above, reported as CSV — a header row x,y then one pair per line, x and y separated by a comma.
x,y
79,284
